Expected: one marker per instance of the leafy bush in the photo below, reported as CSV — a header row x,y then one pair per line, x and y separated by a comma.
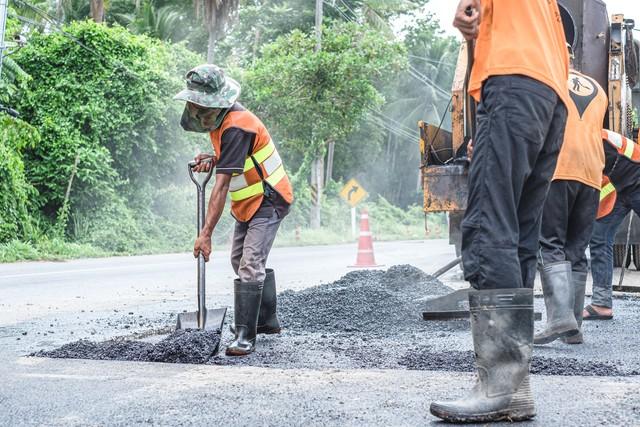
x,y
104,99
16,194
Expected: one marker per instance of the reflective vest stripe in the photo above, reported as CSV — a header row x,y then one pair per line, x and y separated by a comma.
x,y
270,160
272,163
628,150
247,192
624,146
238,182
606,190
260,156
276,176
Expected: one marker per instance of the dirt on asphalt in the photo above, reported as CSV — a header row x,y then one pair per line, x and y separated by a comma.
x,y
366,319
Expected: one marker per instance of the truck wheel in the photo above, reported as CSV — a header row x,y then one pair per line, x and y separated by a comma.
x,y
618,255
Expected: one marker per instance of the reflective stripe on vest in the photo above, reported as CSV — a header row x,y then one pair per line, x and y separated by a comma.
x,y
270,161
606,191
624,146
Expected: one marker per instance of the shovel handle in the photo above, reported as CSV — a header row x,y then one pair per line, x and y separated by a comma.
x,y
200,184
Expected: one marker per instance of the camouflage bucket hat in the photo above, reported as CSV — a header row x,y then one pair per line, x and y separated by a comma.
x,y
207,86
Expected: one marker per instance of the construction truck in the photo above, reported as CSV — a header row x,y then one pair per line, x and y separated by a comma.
x,y
605,49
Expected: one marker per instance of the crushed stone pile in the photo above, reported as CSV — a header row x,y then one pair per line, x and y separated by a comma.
x,y
361,301
464,361
182,346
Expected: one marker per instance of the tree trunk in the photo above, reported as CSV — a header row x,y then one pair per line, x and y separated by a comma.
x,y
317,185
59,12
331,148
256,44
211,45
97,10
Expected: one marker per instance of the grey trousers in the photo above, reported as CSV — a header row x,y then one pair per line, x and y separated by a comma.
x,y
252,243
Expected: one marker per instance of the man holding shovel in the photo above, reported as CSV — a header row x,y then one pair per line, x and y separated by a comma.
x,y
249,169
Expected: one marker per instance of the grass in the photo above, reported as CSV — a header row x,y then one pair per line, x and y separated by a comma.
x,y
47,250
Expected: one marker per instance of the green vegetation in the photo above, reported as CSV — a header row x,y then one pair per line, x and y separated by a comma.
x,y
96,163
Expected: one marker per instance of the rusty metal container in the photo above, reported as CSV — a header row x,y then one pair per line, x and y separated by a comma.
x,y
445,188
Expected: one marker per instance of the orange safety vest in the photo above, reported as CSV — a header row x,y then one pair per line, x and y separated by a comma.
x,y
626,148
608,198
262,164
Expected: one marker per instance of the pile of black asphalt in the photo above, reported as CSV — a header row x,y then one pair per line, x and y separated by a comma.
x,y
181,346
367,319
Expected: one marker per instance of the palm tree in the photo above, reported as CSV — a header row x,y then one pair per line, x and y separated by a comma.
x,y
217,15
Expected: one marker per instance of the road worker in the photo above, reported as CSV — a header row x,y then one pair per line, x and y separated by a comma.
x,y
249,169
570,211
519,78
620,195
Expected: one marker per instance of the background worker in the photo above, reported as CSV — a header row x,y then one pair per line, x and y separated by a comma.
x,y
519,77
249,168
570,211
620,194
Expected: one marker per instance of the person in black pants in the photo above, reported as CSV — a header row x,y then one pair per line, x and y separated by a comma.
x,y
570,212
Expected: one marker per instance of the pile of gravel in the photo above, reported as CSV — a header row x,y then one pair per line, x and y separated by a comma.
x,y
361,301
464,361
182,346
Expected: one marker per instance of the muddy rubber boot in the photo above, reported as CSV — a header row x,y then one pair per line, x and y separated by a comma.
x,y
579,279
268,322
559,298
247,297
502,330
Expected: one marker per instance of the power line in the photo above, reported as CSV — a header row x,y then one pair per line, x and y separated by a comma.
x,y
394,128
427,79
433,61
398,124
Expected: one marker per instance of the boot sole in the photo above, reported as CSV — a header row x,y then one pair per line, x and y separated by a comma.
x,y
550,338
232,352
505,415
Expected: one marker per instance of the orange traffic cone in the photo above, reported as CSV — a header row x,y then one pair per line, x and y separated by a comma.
x,y
365,244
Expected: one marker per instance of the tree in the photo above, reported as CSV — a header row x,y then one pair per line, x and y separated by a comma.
x,y
216,15
311,98
101,99
97,10
421,92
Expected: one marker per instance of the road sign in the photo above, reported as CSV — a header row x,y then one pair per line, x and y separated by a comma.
x,y
353,193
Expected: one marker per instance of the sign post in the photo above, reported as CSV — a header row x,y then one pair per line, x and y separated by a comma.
x,y
353,194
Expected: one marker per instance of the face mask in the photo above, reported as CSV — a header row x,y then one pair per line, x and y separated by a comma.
x,y
197,120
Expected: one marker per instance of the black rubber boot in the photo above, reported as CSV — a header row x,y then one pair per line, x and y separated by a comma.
x,y
579,280
559,298
247,297
268,322
502,330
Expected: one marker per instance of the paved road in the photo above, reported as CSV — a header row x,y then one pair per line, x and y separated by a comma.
x,y
34,290
44,305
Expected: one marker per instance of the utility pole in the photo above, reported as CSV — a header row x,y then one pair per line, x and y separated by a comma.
x,y
3,22
319,14
317,166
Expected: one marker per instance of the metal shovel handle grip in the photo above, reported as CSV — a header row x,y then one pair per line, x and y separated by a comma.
x,y
200,184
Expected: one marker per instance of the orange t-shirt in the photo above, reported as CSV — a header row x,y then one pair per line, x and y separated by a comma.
x,y
582,156
523,37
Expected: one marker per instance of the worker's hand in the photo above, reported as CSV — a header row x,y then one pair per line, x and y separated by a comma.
x,y
205,162
202,245
470,149
468,25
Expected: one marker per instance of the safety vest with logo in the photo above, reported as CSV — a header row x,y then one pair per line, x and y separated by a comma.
x,y
625,147
263,164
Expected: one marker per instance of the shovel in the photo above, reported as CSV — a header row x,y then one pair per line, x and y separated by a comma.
x,y
203,319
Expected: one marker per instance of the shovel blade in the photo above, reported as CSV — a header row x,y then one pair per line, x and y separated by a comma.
x,y
214,319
